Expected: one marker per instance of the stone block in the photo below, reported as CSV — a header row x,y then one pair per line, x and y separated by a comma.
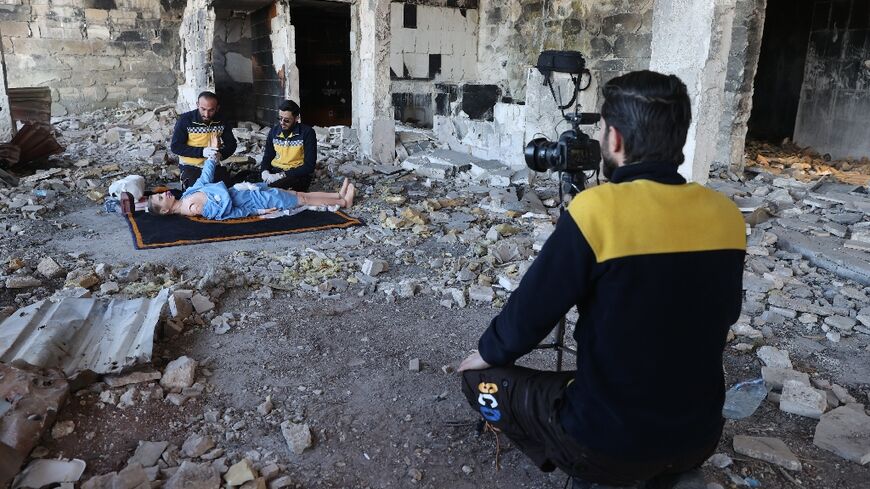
x,y
802,400
96,15
769,449
15,29
845,432
98,32
775,378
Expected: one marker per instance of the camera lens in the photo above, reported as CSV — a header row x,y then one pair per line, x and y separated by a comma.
x,y
542,155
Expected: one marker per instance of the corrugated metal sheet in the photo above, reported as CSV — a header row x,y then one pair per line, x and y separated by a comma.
x,y
76,335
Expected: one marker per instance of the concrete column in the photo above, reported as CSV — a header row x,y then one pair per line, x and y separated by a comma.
x,y
197,39
283,39
7,129
739,85
692,39
372,101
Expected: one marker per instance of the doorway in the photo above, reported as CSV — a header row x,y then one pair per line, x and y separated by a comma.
x,y
323,59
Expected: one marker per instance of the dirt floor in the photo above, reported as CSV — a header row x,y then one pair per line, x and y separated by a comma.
x,y
341,365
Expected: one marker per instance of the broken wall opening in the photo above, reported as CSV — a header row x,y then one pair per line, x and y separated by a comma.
x,y
834,108
268,85
233,64
780,71
433,54
323,60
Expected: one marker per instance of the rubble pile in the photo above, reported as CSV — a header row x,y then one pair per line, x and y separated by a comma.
x,y
804,164
445,226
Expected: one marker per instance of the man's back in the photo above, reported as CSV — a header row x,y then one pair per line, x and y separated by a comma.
x,y
664,288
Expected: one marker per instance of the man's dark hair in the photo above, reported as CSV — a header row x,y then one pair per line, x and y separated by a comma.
x,y
208,95
290,106
652,111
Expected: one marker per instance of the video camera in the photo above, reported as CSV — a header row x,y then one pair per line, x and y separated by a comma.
x,y
575,152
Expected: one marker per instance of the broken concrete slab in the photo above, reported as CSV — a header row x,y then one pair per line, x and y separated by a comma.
x,y
769,449
131,378
45,472
192,475
775,378
29,402
803,400
774,357
148,453
827,253
82,335
845,432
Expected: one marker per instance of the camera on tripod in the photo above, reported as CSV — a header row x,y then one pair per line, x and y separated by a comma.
x,y
574,152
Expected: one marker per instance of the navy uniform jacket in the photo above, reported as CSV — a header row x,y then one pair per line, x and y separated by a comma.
x,y
293,153
191,135
655,268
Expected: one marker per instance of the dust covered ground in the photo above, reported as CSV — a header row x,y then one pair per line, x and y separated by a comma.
x,y
302,332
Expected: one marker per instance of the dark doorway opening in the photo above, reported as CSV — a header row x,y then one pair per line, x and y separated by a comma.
x,y
232,64
780,73
323,58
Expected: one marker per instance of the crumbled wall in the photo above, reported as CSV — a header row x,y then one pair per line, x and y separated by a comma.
x,y
196,36
429,45
92,56
5,114
233,67
834,108
613,35
746,37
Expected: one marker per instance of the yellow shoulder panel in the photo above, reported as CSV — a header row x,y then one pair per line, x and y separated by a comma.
x,y
644,217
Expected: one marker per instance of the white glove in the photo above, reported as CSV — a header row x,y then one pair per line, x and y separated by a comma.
x,y
211,154
270,177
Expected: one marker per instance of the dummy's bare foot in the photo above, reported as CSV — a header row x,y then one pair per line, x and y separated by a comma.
x,y
344,186
348,196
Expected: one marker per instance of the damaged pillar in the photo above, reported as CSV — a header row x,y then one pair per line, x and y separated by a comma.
x,y
692,39
197,39
372,101
740,83
6,129
283,39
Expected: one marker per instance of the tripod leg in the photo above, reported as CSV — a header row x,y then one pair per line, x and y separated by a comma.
x,y
560,343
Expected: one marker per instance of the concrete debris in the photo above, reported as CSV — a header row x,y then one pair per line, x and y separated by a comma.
x,y
29,402
194,476
845,432
148,453
243,471
131,378
775,378
196,445
180,373
773,357
769,449
801,399
40,473
297,436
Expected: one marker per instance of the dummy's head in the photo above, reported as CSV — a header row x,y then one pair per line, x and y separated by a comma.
x,y
288,114
161,204
207,105
646,118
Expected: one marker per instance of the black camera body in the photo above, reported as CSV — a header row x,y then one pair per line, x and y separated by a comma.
x,y
574,152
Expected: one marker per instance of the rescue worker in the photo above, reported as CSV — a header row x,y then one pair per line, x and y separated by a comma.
x,y
291,151
202,134
654,266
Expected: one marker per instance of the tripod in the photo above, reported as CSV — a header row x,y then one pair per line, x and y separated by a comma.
x,y
569,183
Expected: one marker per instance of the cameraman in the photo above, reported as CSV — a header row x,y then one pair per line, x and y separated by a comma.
x,y
654,266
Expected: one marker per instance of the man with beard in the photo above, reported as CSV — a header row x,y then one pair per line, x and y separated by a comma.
x,y
654,266
290,156
202,134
